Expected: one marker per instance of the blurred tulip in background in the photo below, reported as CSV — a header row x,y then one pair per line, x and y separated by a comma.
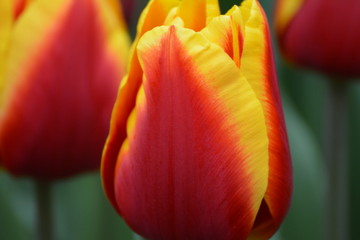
x,y
129,9
321,34
61,63
324,36
198,145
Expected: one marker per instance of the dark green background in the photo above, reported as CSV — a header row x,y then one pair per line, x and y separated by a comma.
x,y
83,212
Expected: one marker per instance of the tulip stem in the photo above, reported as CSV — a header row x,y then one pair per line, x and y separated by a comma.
x,y
337,163
44,210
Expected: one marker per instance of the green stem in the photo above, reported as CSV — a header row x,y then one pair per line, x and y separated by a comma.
x,y
44,210
337,162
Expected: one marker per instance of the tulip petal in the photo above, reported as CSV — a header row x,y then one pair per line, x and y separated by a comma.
x,y
116,7
196,157
254,59
285,11
258,67
153,15
57,107
227,32
19,6
5,28
201,10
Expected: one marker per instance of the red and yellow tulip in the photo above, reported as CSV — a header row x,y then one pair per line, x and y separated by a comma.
x,y
61,62
198,146
321,34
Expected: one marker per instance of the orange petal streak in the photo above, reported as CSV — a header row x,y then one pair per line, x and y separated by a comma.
x,y
183,171
19,6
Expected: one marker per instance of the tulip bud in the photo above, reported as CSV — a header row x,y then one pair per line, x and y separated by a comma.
x,y
61,64
323,35
198,146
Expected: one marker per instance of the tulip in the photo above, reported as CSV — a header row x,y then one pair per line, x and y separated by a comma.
x,y
324,35
61,63
198,146
321,34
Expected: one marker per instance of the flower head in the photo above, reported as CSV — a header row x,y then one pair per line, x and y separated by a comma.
x,y
321,34
198,147
61,62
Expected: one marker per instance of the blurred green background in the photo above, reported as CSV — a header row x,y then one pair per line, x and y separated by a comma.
x,y
81,210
